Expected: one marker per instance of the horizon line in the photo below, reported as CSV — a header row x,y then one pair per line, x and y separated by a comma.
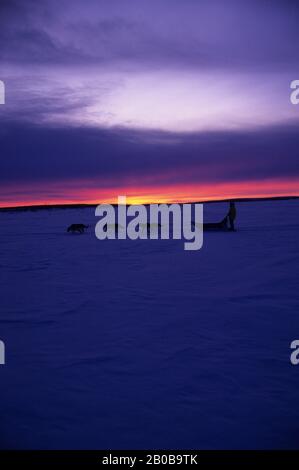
x,y
74,205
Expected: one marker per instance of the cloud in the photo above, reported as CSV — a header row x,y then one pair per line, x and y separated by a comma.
x,y
164,65
206,34
110,157
138,92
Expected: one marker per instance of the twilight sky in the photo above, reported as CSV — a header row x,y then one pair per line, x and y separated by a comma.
x,y
157,100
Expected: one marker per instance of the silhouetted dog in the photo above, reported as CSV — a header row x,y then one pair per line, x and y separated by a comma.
x,y
149,227
77,228
115,227
215,225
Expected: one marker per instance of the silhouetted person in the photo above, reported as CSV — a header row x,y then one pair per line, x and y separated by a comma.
x,y
232,215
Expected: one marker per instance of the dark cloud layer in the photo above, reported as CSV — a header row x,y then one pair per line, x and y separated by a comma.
x,y
50,154
209,33
50,49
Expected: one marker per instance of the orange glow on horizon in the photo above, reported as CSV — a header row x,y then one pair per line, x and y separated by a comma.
x,y
66,193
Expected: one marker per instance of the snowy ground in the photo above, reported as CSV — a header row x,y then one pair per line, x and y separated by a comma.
x,y
140,344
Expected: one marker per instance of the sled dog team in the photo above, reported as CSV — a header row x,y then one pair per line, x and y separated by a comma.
x,y
222,225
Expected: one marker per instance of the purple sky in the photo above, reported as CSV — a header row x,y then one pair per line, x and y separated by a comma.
x,y
135,93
